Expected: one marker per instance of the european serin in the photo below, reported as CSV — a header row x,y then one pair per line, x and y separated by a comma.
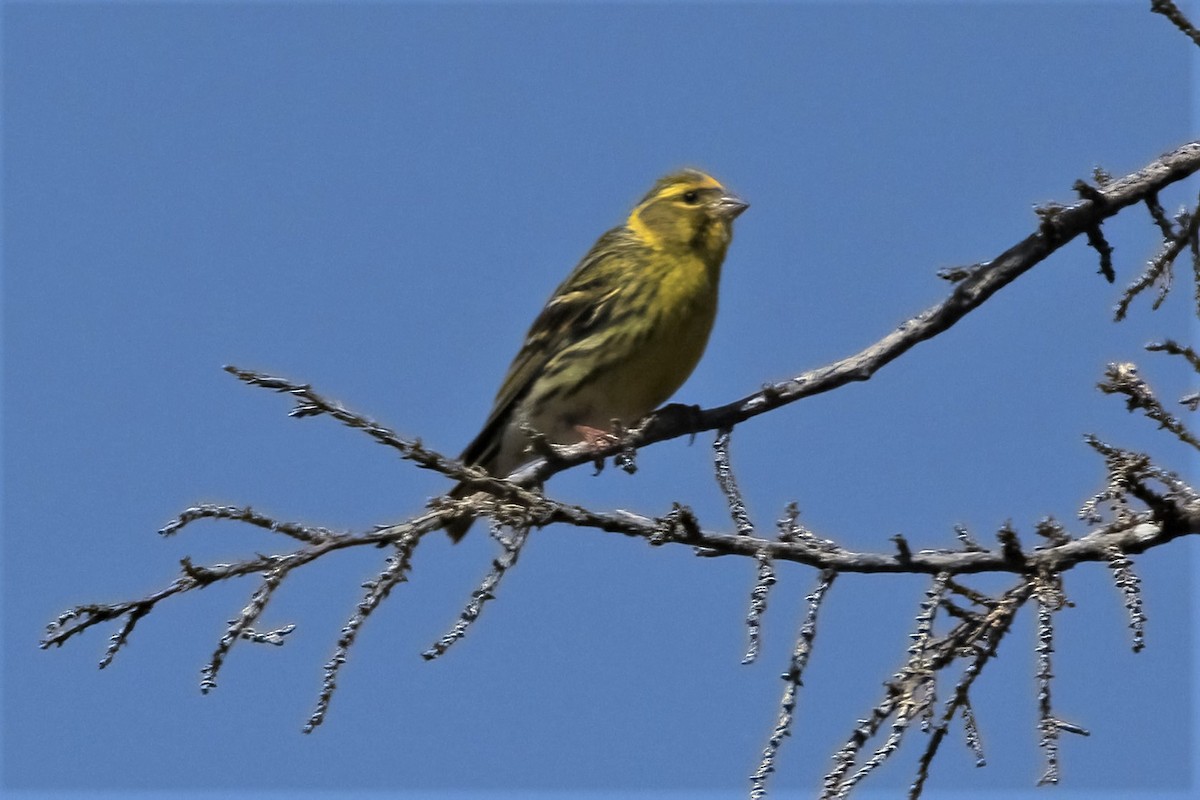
x,y
622,332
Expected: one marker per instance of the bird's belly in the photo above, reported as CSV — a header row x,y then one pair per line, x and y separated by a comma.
x,y
644,371
660,364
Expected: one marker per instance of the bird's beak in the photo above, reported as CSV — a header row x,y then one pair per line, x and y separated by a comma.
x,y
729,205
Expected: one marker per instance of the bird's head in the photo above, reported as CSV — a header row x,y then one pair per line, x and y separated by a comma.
x,y
687,210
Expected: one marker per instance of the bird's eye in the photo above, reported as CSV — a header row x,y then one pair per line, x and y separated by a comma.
x,y
691,196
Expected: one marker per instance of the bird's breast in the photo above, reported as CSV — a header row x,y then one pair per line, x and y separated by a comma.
x,y
657,359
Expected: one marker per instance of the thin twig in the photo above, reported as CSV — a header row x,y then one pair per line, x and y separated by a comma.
x,y
1129,584
396,572
794,678
1171,11
485,592
239,627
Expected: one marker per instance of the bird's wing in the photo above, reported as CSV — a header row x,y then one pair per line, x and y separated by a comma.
x,y
581,304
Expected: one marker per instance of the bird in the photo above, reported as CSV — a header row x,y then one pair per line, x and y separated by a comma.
x,y
619,335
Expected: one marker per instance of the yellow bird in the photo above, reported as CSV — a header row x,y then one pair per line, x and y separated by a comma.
x,y
620,334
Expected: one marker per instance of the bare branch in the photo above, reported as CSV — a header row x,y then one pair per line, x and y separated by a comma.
x,y
1160,269
1169,10
1175,514
80,618
311,404
1123,379
1159,215
121,637
1096,240
968,542
758,606
485,592
276,637
238,628
792,530
981,637
910,694
396,572
1129,584
971,733
728,483
1129,476
1049,599
918,650
1132,539
302,533
741,521
794,679
1176,349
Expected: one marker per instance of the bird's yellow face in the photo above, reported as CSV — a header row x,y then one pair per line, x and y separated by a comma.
x,y
687,211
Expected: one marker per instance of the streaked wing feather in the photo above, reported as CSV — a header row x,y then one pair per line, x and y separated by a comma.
x,y
573,312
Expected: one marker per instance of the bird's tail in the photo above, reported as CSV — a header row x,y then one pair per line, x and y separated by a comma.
x,y
457,528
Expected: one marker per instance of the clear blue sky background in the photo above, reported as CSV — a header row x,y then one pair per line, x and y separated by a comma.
x,y
378,198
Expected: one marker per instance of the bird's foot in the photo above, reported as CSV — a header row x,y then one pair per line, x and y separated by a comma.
x,y
601,439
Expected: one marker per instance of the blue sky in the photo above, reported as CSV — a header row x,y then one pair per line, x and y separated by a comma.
x,y
378,198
